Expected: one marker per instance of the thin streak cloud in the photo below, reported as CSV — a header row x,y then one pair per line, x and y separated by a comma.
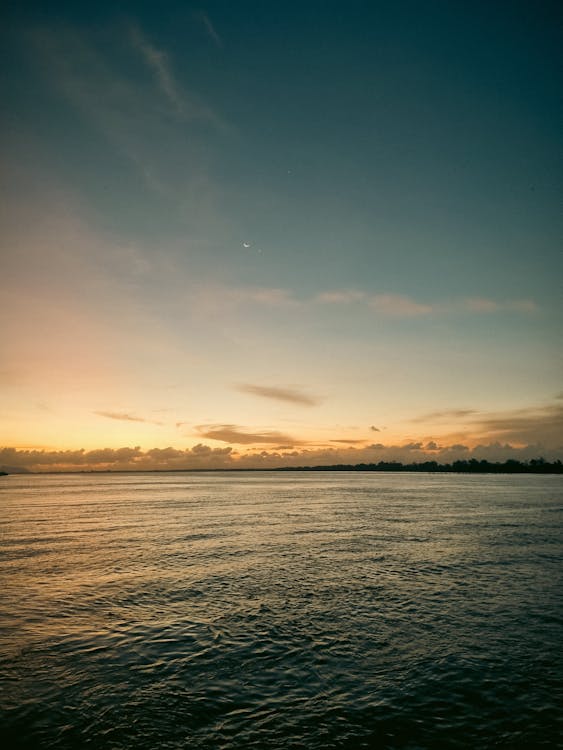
x,y
401,305
340,297
445,415
230,433
398,305
157,61
134,113
290,395
348,442
124,417
159,64
210,29
483,305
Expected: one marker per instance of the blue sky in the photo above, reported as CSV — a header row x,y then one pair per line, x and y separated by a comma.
x,y
209,207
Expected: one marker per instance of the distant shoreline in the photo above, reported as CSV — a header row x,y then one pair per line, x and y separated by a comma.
x,y
473,466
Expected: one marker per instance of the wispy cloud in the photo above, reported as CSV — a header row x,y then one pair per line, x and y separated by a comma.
x,y
385,304
484,305
271,296
137,114
291,395
347,442
340,297
210,28
444,415
529,426
403,306
159,64
231,433
218,298
481,305
398,305
533,425
124,417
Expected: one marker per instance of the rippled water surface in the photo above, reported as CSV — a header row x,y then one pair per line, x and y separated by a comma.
x,y
268,610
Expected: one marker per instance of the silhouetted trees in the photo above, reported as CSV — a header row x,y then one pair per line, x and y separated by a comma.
x,y
471,466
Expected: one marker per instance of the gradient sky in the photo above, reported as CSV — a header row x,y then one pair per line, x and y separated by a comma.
x,y
259,234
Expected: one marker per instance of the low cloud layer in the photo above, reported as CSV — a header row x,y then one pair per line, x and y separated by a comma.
x,y
202,456
541,425
115,459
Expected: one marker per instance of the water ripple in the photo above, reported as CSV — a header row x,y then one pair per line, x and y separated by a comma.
x,y
271,611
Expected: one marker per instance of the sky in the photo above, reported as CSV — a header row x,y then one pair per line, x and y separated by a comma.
x,y
262,234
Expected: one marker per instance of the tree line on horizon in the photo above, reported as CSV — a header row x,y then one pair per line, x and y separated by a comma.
x,y
469,466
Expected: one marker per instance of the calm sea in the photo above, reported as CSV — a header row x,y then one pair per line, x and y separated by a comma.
x,y
268,610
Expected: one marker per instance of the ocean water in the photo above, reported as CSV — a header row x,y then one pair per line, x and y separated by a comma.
x,y
268,610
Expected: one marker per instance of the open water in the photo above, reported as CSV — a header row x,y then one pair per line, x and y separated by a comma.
x,y
268,610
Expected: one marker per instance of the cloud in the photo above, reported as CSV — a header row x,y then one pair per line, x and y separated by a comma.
x,y
273,297
291,395
119,415
145,119
116,459
410,452
202,456
480,305
534,425
210,28
123,417
340,297
445,415
483,305
218,298
540,425
385,304
157,61
398,305
230,433
349,442
44,460
159,64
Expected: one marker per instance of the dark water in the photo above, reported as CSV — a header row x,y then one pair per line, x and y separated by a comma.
x,y
281,611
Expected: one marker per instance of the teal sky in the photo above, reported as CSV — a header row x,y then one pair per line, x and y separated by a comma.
x,y
300,220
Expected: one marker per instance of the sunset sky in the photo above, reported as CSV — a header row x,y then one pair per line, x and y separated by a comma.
x,y
265,234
